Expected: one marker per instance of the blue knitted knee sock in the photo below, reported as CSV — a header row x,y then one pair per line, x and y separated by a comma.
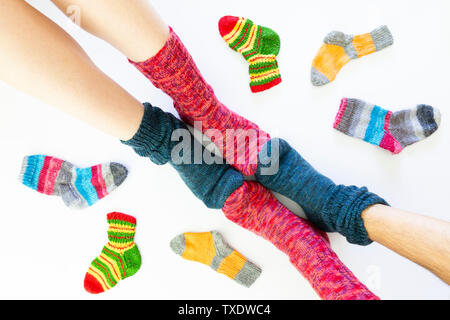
x,y
211,183
331,207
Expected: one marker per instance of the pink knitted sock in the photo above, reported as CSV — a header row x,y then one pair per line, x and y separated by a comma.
x,y
254,208
174,71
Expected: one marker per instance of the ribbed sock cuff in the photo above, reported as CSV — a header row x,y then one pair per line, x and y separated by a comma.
x,y
259,87
248,274
165,63
357,234
382,37
153,138
348,110
30,170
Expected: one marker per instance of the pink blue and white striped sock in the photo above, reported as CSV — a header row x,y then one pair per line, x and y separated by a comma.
x,y
78,187
389,130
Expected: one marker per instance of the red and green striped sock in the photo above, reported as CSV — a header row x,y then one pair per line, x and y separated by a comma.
x,y
258,45
119,259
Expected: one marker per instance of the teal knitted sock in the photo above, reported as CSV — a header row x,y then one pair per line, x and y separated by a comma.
x,y
211,183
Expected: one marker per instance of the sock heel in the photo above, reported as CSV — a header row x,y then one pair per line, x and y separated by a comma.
x,y
271,43
338,38
133,260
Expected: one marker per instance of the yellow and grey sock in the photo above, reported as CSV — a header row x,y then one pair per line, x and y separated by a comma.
x,y
211,249
339,48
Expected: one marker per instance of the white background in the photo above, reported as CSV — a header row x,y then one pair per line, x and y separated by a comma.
x,y
47,248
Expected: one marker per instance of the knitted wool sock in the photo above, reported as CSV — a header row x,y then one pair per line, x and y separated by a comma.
x,y
211,249
339,48
383,128
120,258
79,188
210,183
254,208
258,45
174,71
331,207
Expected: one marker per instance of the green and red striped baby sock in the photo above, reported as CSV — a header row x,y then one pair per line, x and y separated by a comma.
x,y
258,45
119,259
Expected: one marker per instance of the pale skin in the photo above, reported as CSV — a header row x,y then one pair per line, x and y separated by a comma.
x,y
59,72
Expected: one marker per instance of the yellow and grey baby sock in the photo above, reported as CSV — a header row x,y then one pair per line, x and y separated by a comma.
x,y
339,48
211,249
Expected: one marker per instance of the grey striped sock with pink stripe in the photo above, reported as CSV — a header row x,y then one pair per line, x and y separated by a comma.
x,y
392,131
78,187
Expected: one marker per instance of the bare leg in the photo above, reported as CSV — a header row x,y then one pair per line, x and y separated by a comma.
x,y
68,72
41,69
131,26
421,239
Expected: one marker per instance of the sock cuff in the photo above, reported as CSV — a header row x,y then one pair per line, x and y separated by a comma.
x,y
27,170
169,59
265,76
249,273
153,138
349,109
30,170
340,114
120,218
382,37
161,55
358,233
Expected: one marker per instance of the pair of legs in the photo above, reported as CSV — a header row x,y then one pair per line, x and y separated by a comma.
x,y
139,33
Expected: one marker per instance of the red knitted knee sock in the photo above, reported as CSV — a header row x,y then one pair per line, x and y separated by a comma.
x,y
254,208
174,71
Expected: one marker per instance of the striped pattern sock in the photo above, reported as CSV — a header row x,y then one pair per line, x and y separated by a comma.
x,y
389,130
255,208
339,48
79,188
258,45
119,259
211,249
174,71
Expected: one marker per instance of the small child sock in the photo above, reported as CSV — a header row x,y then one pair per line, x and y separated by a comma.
x,y
78,188
258,45
256,209
330,207
211,249
339,48
120,258
173,70
389,130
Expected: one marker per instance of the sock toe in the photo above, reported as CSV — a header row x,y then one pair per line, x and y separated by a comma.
x,y
429,118
92,285
226,24
317,78
119,173
178,244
